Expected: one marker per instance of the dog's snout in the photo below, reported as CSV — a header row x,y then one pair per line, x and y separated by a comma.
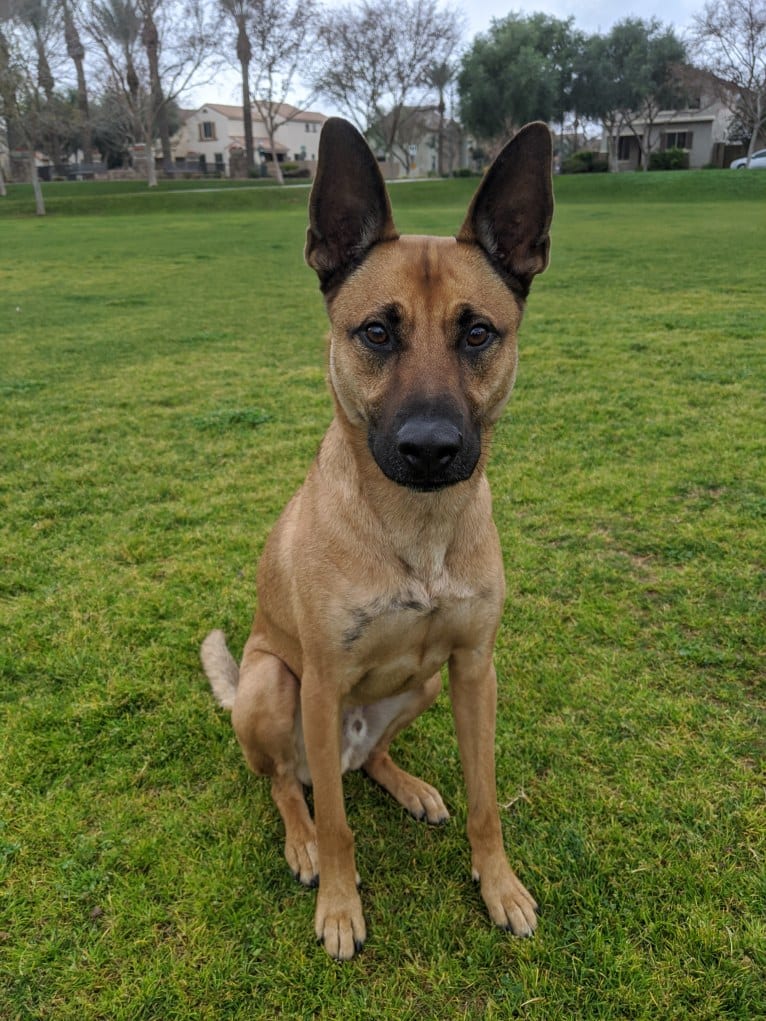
x,y
429,446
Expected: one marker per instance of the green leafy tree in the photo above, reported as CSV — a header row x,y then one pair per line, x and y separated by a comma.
x,y
644,55
522,69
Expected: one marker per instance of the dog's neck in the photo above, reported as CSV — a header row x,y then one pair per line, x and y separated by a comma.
x,y
420,529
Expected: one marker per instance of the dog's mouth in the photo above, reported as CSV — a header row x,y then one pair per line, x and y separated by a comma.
x,y
427,450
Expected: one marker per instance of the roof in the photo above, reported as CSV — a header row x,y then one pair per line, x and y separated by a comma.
x,y
284,110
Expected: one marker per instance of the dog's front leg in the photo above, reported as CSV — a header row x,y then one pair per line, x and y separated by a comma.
x,y
473,691
339,921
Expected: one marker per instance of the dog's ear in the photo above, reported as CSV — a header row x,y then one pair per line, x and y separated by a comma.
x,y
349,210
511,212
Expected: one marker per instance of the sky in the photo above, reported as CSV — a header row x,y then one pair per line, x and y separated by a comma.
x,y
589,15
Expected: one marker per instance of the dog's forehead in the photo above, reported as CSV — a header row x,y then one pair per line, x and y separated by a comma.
x,y
423,273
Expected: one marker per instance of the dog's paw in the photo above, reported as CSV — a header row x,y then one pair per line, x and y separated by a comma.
x,y
339,925
303,859
509,903
423,802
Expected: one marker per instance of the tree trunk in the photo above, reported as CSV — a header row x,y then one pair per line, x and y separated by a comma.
x,y
244,53
756,128
36,186
440,150
151,169
3,189
272,142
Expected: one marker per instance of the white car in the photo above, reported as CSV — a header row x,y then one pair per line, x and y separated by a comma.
x,y
757,161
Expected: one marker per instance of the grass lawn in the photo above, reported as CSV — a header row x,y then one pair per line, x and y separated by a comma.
x,y
162,387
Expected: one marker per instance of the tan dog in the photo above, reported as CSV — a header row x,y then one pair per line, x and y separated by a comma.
x,y
386,563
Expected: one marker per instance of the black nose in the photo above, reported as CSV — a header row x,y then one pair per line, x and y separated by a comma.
x,y
429,446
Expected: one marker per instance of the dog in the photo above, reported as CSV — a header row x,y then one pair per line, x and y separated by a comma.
x,y
386,564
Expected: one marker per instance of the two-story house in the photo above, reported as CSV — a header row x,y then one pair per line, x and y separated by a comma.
x,y
209,134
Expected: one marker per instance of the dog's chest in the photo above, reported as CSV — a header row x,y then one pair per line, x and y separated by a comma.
x,y
398,640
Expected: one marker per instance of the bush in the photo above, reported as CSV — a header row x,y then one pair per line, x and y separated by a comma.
x,y
669,159
585,162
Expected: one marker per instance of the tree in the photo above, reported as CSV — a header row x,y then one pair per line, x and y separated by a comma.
x,y
644,55
624,79
282,34
76,53
376,60
439,77
518,71
237,13
150,51
28,102
730,42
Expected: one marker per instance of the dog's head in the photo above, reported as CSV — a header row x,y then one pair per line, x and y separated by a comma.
x,y
423,329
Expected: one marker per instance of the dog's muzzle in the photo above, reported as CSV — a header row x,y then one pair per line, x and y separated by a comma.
x,y
427,448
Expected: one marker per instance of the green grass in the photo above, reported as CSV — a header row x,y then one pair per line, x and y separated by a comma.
x,y
162,388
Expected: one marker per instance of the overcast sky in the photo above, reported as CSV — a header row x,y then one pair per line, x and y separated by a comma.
x,y
589,15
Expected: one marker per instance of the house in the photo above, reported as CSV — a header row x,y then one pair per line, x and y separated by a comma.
x,y
416,152
701,127
209,135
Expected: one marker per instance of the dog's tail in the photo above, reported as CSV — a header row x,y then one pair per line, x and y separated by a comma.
x,y
220,667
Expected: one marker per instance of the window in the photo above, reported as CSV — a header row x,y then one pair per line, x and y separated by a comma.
x,y
677,140
624,147
207,131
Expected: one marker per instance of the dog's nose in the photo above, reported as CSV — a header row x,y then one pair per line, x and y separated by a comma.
x,y
428,445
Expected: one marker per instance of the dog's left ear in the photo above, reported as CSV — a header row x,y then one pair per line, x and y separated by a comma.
x,y
349,209
510,215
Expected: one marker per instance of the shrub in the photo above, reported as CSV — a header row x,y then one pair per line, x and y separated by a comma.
x,y
669,159
584,162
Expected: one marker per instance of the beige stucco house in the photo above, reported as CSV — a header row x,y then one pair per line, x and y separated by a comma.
x,y
209,135
701,127
702,132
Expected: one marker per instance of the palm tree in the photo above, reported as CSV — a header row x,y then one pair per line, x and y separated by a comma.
x,y
439,77
159,111
238,11
76,52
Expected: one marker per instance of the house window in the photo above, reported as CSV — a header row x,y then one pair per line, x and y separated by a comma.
x,y
207,131
219,159
624,147
677,140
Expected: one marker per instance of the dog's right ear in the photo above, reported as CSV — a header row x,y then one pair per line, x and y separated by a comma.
x,y
349,210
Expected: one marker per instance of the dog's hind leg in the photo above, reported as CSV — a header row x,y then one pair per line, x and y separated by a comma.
x,y
265,720
419,798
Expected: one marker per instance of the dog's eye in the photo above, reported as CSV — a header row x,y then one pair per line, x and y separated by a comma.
x,y
375,333
478,335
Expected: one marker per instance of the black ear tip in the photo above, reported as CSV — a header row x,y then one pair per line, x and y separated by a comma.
x,y
536,134
338,129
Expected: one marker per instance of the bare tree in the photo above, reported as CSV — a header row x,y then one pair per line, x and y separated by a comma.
x,y
377,59
282,33
730,39
26,82
150,51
